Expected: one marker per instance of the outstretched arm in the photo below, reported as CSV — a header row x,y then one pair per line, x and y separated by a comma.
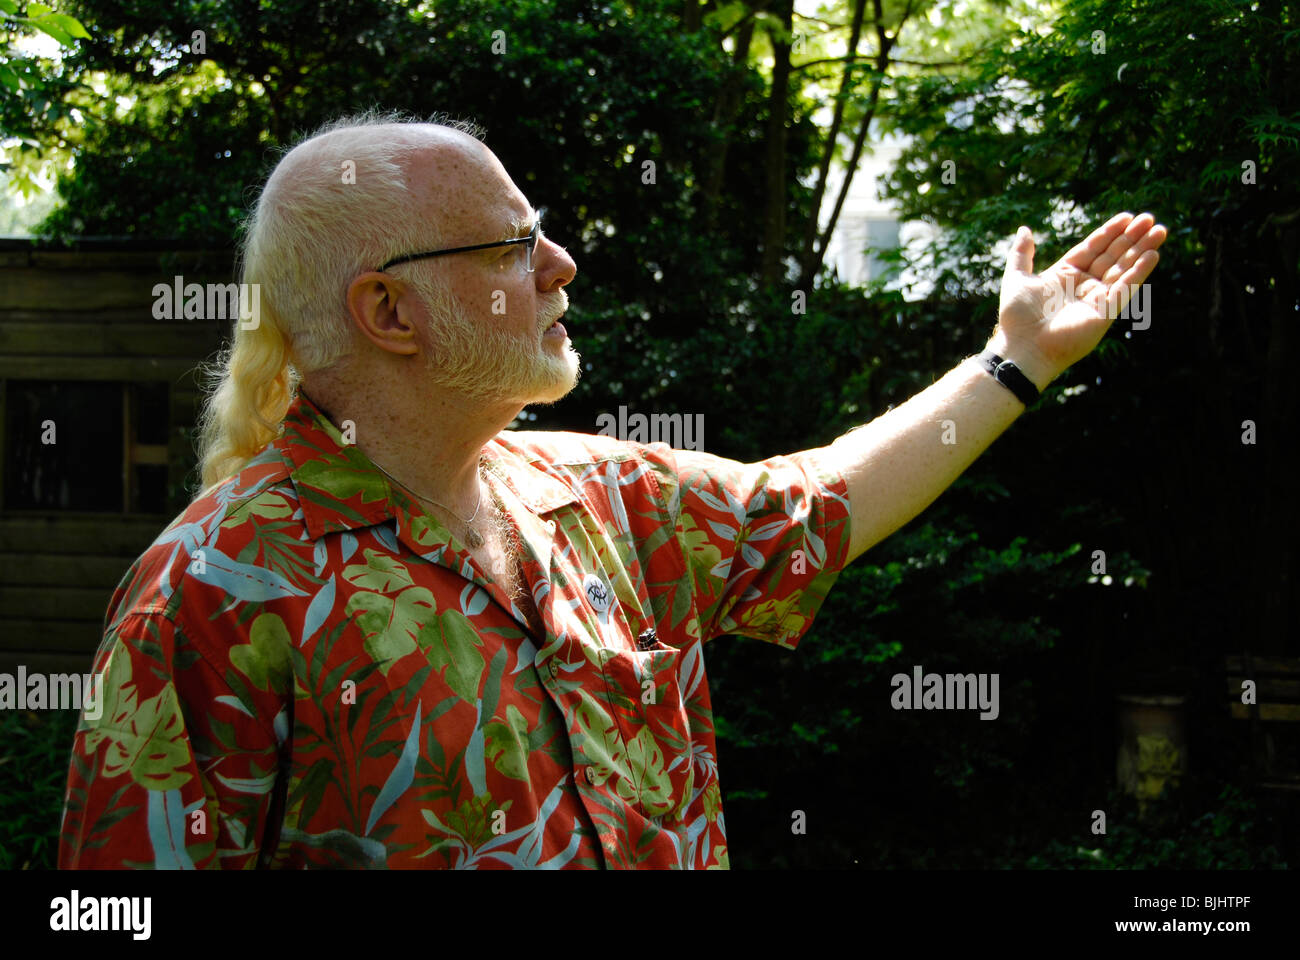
x,y
900,462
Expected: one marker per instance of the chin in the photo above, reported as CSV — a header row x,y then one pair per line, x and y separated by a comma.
x,y
563,375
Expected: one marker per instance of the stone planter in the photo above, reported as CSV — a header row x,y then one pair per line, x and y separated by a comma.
x,y
1152,755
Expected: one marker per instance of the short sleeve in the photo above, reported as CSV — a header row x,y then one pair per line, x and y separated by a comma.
x,y
170,768
764,542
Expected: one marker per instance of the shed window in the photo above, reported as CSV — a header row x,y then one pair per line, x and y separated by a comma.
x,y
85,445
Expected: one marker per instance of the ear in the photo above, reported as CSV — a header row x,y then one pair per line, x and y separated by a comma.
x,y
377,308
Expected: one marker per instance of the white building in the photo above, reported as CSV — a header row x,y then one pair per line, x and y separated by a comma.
x,y
867,224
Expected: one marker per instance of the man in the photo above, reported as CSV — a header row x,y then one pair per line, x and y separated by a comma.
x,y
392,633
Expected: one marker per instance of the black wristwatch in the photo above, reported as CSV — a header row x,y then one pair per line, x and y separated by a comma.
x,y
1008,374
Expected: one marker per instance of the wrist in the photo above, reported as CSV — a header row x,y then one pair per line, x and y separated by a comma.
x,y
1030,361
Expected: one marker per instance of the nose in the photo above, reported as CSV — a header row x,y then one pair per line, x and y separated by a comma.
x,y
554,267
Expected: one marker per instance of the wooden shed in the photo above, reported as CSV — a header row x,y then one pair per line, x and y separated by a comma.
x,y
98,401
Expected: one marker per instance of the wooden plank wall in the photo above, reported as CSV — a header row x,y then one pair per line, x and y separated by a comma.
x,y
86,313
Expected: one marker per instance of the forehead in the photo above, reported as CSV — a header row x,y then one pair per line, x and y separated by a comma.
x,y
463,187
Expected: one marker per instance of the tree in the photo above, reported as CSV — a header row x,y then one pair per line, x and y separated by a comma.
x,y
911,37
1190,109
654,139
32,90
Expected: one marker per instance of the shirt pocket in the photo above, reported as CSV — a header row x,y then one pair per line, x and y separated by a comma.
x,y
646,698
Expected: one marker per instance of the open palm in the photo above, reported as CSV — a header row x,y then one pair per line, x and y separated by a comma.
x,y
1058,316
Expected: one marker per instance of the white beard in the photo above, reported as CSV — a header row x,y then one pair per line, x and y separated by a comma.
x,y
490,363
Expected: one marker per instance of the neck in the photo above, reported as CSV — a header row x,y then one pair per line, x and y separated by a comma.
x,y
429,440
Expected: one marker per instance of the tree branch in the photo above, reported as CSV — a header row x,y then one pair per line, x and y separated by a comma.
x,y
882,65
872,56
819,192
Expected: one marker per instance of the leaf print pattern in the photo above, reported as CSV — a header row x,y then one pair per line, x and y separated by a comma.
x,y
322,671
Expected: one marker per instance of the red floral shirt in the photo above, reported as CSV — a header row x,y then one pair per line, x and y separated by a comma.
x,y
305,670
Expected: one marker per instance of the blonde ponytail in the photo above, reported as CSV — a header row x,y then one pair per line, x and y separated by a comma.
x,y
251,390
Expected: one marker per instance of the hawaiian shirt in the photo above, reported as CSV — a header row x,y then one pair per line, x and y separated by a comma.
x,y
306,670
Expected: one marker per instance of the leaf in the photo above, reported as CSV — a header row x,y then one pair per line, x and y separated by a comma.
x,y
243,581
348,847
391,624
146,739
265,659
342,480
602,747
492,692
234,703
473,599
721,529
312,788
818,547
348,546
167,822
380,572
269,504
255,786
334,679
453,647
71,25
403,773
474,755
51,27
768,530
507,744
318,610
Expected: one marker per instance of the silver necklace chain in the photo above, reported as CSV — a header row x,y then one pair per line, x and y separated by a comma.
x,y
475,538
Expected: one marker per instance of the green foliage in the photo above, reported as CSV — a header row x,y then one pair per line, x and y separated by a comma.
x,y
1124,454
33,778
1049,130
1043,131
33,92
1228,835
583,97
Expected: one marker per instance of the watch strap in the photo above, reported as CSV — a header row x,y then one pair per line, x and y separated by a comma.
x,y
1010,376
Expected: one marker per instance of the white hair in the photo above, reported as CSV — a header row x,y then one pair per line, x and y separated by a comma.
x,y
336,205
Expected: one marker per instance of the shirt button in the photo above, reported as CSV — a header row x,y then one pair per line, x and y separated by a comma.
x,y
554,668
591,775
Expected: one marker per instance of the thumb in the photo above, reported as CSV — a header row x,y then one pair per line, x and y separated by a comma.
x,y
1021,258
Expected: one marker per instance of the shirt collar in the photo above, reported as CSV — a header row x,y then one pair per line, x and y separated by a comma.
x,y
340,488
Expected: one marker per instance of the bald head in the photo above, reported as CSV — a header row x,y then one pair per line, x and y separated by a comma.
x,y
347,199
433,162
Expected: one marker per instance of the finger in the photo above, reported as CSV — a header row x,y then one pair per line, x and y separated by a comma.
x,y
1119,294
1021,257
1082,254
1132,234
1137,275
1151,241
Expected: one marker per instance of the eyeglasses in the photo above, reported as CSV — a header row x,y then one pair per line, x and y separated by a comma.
x,y
531,240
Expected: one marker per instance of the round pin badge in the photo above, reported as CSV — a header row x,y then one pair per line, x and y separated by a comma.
x,y
598,593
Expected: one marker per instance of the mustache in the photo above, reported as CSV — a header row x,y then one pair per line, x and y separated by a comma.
x,y
555,310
